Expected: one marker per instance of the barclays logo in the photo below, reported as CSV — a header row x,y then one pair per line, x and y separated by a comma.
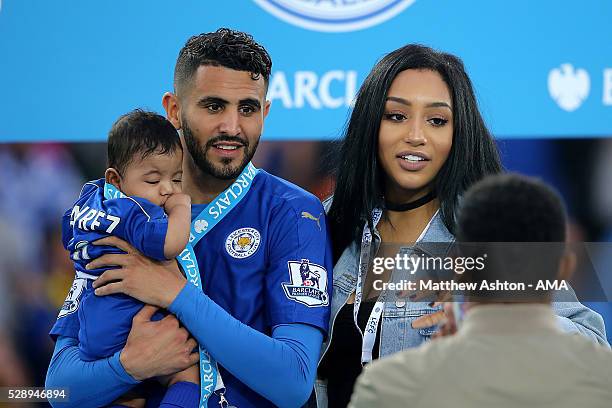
x,y
568,87
334,15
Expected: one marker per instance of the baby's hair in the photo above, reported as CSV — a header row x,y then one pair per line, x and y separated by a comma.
x,y
138,134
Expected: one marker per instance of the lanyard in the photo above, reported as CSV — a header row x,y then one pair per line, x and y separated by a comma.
x,y
215,211
368,336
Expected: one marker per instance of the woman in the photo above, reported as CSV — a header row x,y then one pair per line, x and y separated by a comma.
x,y
414,143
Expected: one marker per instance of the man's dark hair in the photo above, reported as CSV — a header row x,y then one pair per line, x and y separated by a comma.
x,y
360,179
138,134
519,223
511,208
226,48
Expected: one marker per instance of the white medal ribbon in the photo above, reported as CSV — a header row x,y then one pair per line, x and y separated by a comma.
x,y
210,377
368,336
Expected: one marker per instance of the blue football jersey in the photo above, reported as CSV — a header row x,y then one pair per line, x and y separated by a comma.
x,y
268,262
136,220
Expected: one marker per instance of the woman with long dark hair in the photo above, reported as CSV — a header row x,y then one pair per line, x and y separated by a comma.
x,y
414,143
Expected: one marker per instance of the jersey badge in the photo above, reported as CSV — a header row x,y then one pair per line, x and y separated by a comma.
x,y
71,304
243,242
308,283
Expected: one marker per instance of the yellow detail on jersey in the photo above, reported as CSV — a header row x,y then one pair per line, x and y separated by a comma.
x,y
309,216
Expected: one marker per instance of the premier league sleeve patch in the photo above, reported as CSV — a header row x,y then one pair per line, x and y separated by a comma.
x,y
71,304
308,283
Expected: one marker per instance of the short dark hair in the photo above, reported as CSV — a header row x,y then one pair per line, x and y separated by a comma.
x,y
519,223
142,133
511,208
360,177
226,48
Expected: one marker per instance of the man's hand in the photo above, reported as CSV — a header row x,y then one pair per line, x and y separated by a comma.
x,y
176,200
151,282
157,348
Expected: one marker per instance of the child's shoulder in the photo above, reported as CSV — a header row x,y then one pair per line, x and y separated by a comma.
x,y
92,187
92,196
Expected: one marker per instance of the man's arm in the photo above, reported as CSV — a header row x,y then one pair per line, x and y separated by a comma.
x,y
289,357
153,348
365,394
281,368
89,383
402,379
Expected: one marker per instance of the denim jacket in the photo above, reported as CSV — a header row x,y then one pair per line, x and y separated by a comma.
x,y
396,332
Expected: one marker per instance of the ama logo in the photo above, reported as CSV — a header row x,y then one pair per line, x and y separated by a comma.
x,y
336,15
568,87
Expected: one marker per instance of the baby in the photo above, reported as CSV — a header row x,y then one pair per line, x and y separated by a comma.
x,y
140,201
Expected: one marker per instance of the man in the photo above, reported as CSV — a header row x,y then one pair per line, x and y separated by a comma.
x,y
255,314
509,350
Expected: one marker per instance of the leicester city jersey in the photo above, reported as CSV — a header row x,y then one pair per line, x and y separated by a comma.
x,y
268,262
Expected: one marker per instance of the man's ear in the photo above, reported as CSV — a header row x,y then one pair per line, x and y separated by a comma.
x,y
567,265
113,177
266,109
173,112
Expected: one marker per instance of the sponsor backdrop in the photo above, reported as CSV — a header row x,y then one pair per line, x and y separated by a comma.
x,y
69,68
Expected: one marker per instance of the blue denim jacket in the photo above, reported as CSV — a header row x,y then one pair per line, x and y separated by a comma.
x,y
396,332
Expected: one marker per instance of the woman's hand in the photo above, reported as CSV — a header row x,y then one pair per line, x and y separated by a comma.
x,y
448,327
152,282
445,318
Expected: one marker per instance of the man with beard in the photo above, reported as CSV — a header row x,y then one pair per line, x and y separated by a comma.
x,y
251,232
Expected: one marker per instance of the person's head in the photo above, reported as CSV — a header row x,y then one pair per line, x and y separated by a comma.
x,y
415,128
145,156
219,100
520,223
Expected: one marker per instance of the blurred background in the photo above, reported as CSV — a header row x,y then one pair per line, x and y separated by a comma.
x,y
542,71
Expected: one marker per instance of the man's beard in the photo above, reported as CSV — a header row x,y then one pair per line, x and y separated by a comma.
x,y
225,171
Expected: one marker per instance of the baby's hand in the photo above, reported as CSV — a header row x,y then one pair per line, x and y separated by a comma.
x,y
176,200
